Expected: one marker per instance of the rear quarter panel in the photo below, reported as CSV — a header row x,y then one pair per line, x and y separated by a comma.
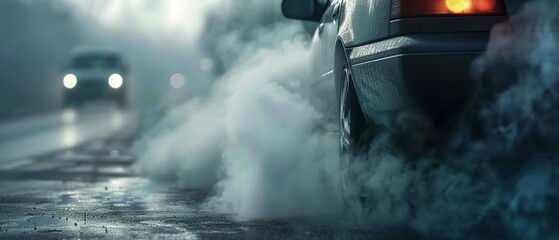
x,y
364,21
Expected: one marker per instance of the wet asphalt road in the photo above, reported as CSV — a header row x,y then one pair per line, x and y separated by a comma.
x,y
90,191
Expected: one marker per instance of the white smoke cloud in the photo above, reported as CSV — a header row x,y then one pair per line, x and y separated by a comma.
x,y
275,162
254,138
254,135
185,146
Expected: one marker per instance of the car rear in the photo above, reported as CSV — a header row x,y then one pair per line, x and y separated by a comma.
x,y
424,63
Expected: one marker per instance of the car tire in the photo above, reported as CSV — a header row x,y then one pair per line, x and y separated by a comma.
x,y
352,120
355,135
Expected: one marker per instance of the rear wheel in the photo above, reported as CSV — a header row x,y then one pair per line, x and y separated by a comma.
x,y
354,134
352,120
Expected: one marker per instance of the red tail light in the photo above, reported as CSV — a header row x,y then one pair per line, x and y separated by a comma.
x,y
425,8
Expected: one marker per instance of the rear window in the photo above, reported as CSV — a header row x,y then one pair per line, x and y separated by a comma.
x,y
97,61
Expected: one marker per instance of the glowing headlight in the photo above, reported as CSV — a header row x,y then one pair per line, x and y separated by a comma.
x,y
115,81
70,81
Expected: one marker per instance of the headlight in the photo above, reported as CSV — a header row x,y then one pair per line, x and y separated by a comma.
x,y
70,81
115,81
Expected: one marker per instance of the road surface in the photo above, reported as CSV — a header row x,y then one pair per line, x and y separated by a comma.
x,y
69,175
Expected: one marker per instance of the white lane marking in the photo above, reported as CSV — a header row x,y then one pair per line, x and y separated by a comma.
x,y
20,163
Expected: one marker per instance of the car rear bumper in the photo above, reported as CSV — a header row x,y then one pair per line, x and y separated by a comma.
x,y
429,72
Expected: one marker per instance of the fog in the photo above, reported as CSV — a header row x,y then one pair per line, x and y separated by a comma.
x,y
157,38
29,50
269,157
242,128
253,136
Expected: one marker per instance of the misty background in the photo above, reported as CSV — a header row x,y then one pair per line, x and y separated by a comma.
x,y
158,38
241,127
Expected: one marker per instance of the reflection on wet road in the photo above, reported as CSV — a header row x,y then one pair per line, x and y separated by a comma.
x,y
62,130
84,187
135,209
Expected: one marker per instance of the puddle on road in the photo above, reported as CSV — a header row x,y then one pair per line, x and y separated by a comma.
x,y
39,221
45,223
69,199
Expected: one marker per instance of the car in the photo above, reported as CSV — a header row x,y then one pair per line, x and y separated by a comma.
x,y
94,73
400,67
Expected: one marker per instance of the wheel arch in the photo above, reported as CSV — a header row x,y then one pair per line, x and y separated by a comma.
x,y
340,60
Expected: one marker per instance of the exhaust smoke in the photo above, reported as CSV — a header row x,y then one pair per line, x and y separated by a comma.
x,y
256,132
255,141
498,180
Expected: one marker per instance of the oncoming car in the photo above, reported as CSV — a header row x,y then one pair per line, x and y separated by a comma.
x,y
94,73
396,66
